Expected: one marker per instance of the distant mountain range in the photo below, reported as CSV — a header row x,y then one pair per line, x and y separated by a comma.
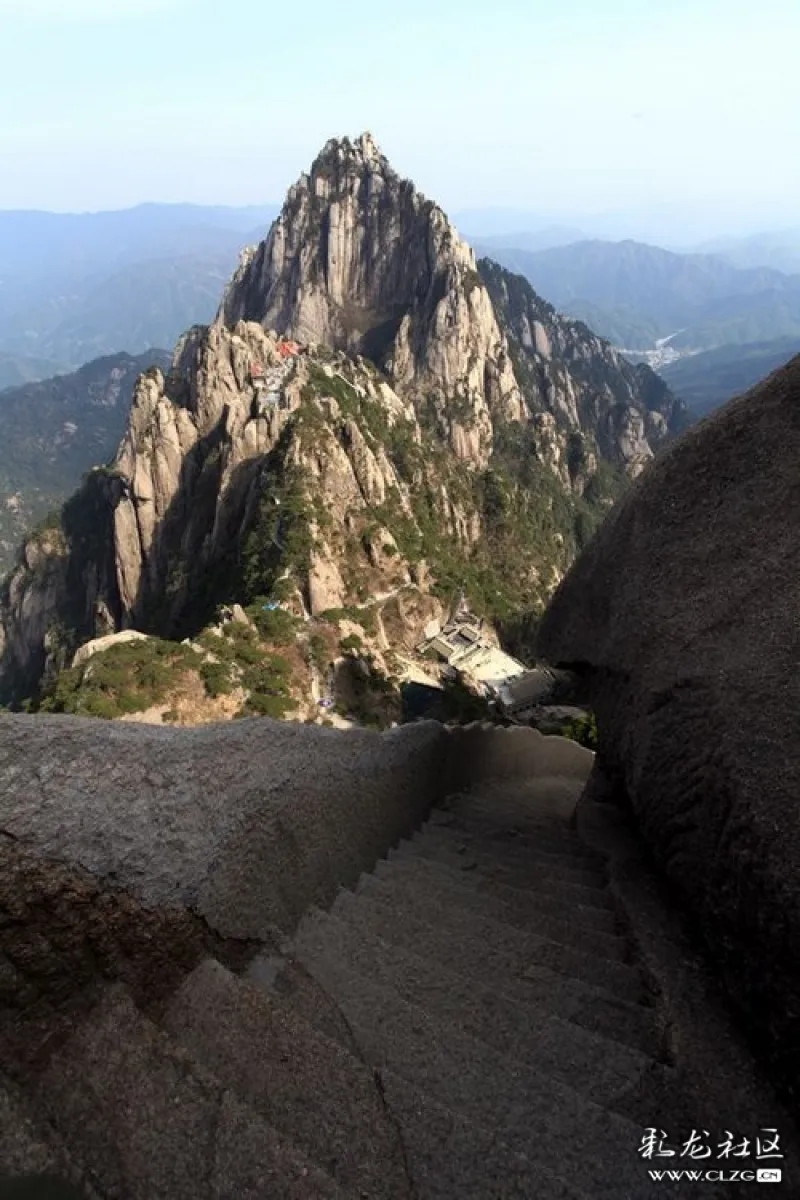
x,y
16,369
690,226
78,287
705,381
635,294
779,249
86,242
537,239
75,286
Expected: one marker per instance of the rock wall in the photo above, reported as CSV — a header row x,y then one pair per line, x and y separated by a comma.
x,y
53,431
682,616
130,852
589,399
245,824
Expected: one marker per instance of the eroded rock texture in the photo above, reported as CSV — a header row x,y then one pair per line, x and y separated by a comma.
x,y
683,613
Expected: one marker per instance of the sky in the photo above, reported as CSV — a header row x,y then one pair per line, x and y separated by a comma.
x,y
684,112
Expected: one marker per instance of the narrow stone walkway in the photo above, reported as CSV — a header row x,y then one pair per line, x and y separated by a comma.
x,y
472,1022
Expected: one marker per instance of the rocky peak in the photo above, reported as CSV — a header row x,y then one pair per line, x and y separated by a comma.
x,y
369,410
360,152
360,261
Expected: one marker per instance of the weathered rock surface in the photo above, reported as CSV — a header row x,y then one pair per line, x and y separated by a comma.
x,y
246,824
361,261
590,399
99,645
683,615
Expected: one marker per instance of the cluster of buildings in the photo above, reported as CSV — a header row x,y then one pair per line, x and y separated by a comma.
x,y
469,654
267,381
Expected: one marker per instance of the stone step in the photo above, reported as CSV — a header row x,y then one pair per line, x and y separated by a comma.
x,y
457,889
510,865
417,896
146,1123
550,848
453,1158
541,797
303,1083
503,968
509,842
520,899
537,1116
599,1068
549,836
446,1154
531,790
540,803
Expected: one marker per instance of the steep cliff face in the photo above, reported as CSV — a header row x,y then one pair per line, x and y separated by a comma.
x,y
243,466
433,426
359,260
598,401
56,429
241,474
63,588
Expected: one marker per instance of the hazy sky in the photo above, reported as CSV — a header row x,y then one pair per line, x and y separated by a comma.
x,y
560,107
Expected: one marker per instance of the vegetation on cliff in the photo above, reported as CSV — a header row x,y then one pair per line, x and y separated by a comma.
x,y
442,431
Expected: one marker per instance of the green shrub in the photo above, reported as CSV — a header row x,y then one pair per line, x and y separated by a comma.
x,y
472,280
462,705
98,705
268,688
126,678
240,643
248,652
217,678
261,705
274,625
271,674
583,730
279,537
318,651
351,642
365,617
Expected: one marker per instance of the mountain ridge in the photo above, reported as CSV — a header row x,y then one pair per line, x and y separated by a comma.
x,y
706,380
75,286
634,293
423,437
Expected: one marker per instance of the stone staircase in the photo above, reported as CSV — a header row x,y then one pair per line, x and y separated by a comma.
x,y
472,1022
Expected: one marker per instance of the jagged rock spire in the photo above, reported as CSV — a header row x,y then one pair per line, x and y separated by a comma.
x,y
364,149
361,261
